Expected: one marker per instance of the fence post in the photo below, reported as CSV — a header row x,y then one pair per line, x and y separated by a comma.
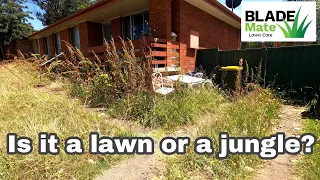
x,y
265,68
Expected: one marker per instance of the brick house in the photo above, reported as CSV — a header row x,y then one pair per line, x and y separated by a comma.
x,y
197,24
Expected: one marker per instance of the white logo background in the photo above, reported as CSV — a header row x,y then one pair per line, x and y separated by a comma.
x,y
307,8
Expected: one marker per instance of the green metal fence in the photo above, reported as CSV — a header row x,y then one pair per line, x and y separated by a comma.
x,y
290,67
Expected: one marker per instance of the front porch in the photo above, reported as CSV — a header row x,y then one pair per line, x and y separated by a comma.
x,y
148,18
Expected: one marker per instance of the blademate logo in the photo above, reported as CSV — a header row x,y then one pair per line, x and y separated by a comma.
x,y
295,31
278,21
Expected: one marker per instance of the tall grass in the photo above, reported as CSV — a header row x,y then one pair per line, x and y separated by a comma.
x,y
123,85
309,167
248,116
27,111
102,82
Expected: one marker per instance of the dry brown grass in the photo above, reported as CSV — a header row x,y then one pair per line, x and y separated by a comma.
x,y
27,111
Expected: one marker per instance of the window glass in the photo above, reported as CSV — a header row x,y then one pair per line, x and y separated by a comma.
x,y
57,43
107,32
75,37
135,26
146,25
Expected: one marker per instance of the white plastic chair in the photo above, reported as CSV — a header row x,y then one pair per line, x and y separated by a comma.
x,y
198,75
161,85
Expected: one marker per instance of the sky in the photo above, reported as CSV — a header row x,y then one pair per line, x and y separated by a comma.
x,y
38,25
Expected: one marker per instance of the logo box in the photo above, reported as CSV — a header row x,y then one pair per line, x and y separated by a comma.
x,y
278,21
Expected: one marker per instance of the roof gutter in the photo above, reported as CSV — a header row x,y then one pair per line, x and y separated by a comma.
x,y
215,3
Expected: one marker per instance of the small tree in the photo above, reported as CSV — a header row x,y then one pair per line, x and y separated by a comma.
x,y
13,22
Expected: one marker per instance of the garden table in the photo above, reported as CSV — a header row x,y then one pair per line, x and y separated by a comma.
x,y
189,80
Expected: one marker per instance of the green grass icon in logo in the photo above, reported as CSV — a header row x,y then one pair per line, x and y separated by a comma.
x,y
295,31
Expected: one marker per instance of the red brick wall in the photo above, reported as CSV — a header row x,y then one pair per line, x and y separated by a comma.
x,y
176,17
25,46
213,33
64,36
84,37
90,35
116,29
160,18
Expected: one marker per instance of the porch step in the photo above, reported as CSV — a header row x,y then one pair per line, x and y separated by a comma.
x,y
159,53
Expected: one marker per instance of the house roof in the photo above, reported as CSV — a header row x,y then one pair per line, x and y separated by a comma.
x,y
218,10
73,19
223,8
77,14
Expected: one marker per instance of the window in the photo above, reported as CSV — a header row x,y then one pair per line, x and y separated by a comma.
x,y
36,46
75,37
106,28
135,26
126,24
46,45
57,43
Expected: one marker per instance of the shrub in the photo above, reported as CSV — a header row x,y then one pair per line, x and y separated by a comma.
x,y
314,106
99,90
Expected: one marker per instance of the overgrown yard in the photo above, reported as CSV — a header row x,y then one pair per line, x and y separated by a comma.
x,y
125,89
125,93
27,111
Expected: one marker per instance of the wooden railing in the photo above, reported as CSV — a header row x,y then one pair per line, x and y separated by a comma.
x,y
159,50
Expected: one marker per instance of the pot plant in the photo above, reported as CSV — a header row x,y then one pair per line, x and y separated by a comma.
x,y
174,36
